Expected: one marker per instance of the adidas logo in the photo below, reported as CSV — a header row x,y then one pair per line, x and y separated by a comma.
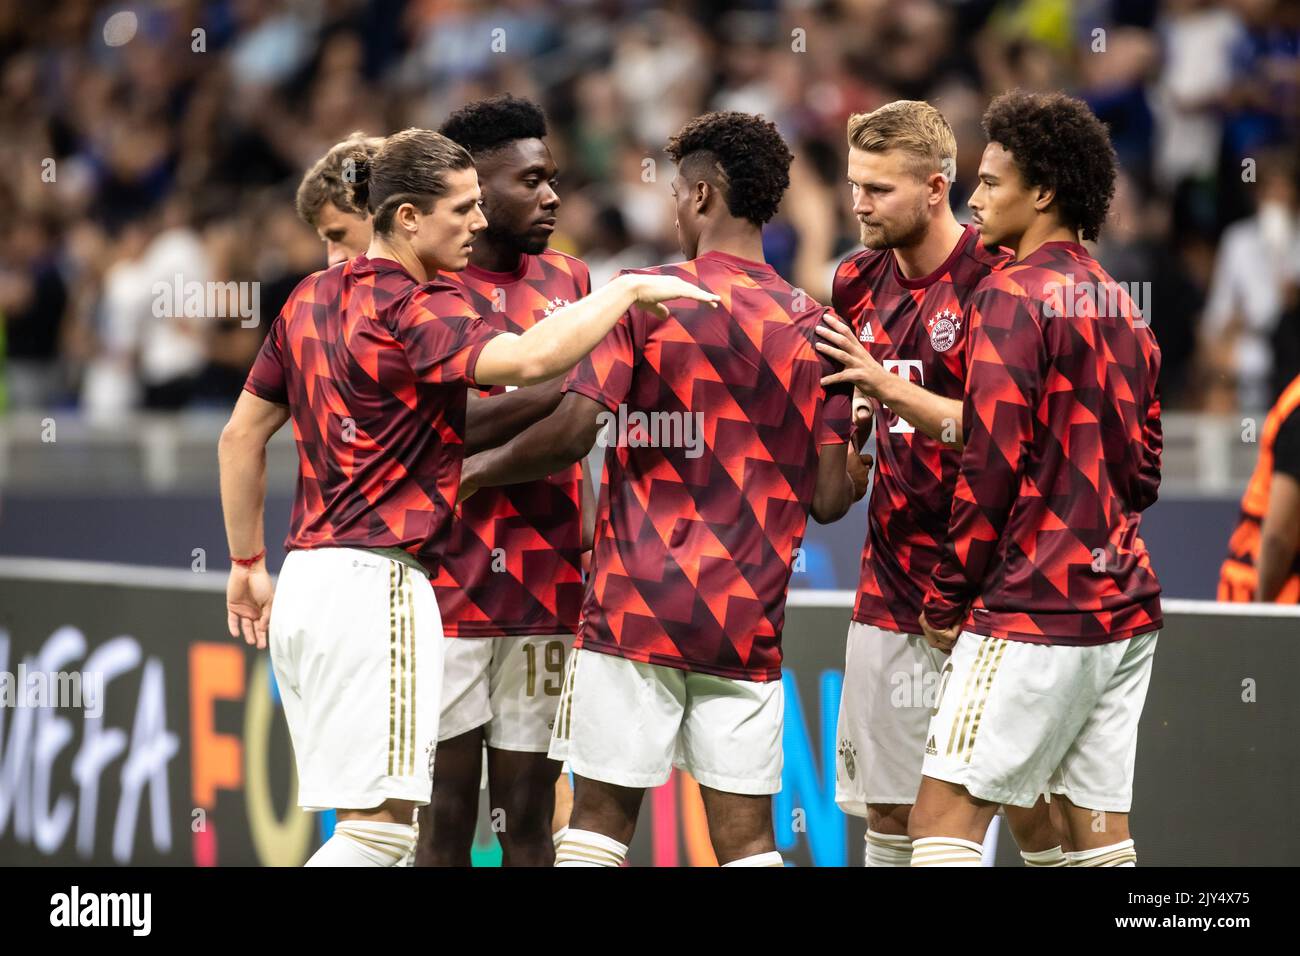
x,y
867,335
930,748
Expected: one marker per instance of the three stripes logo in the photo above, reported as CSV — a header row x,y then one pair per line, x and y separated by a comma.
x,y
401,672
564,710
974,695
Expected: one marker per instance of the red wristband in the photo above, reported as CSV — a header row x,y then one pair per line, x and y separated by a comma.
x,y
248,562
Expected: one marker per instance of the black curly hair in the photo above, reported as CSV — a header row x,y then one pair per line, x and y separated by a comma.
x,y
488,124
1057,142
742,154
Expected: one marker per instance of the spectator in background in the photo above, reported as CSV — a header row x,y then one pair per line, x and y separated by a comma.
x,y
1263,100
1191,89
1198,37
33,300
1135,249
1255,267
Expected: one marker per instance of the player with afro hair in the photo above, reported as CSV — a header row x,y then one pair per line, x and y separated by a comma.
x,y
741,155
1058,144
488,124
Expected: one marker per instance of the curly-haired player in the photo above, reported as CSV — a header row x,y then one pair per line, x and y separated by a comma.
x,y
1045,596
720,441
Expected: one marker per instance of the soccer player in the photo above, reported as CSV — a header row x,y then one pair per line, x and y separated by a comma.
x,y
510,585
904,294
1045,594
371,359
1263,562
324,199
720,441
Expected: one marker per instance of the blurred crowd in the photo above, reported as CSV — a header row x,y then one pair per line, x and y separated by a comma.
x,y
142,142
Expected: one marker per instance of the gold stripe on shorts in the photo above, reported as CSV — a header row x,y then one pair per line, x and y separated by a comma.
x,y
970,719
962,705
402,706
392,664
565,708
410,622
991,672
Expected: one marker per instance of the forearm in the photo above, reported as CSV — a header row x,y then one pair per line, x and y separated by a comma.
x,y
953,582
550,348
935,416
1279,536
833,496
1275,561
540,450
243,493
493,420
986,491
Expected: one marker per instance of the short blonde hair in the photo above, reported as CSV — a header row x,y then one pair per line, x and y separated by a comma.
x,y
913,126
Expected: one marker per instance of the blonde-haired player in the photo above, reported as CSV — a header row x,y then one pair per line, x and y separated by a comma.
x,y
903,296
324,199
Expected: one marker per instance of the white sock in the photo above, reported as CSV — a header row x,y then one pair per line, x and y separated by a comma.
x,y
1052,857
887,849
558,837
946,851
588,848
1117,854
365,843
770,858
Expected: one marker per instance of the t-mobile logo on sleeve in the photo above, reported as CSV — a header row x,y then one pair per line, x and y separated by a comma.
x,y
903,368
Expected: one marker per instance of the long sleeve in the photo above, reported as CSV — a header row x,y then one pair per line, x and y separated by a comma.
x,y
1004,381
1152,447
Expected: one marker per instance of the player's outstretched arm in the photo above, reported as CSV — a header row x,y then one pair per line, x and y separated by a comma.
x,y
555,346
241,453
554,443
495,419
936,416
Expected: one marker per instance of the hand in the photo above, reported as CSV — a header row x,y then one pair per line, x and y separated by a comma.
x,y
652,290
249,593
864,411
859,467
843,346
940,640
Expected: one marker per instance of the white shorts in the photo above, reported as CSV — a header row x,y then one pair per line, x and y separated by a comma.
x,y
511,684
629,723
357,648
891,681
1016,719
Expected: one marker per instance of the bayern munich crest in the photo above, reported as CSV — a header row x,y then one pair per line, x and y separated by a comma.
x,y
848,755
944,327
